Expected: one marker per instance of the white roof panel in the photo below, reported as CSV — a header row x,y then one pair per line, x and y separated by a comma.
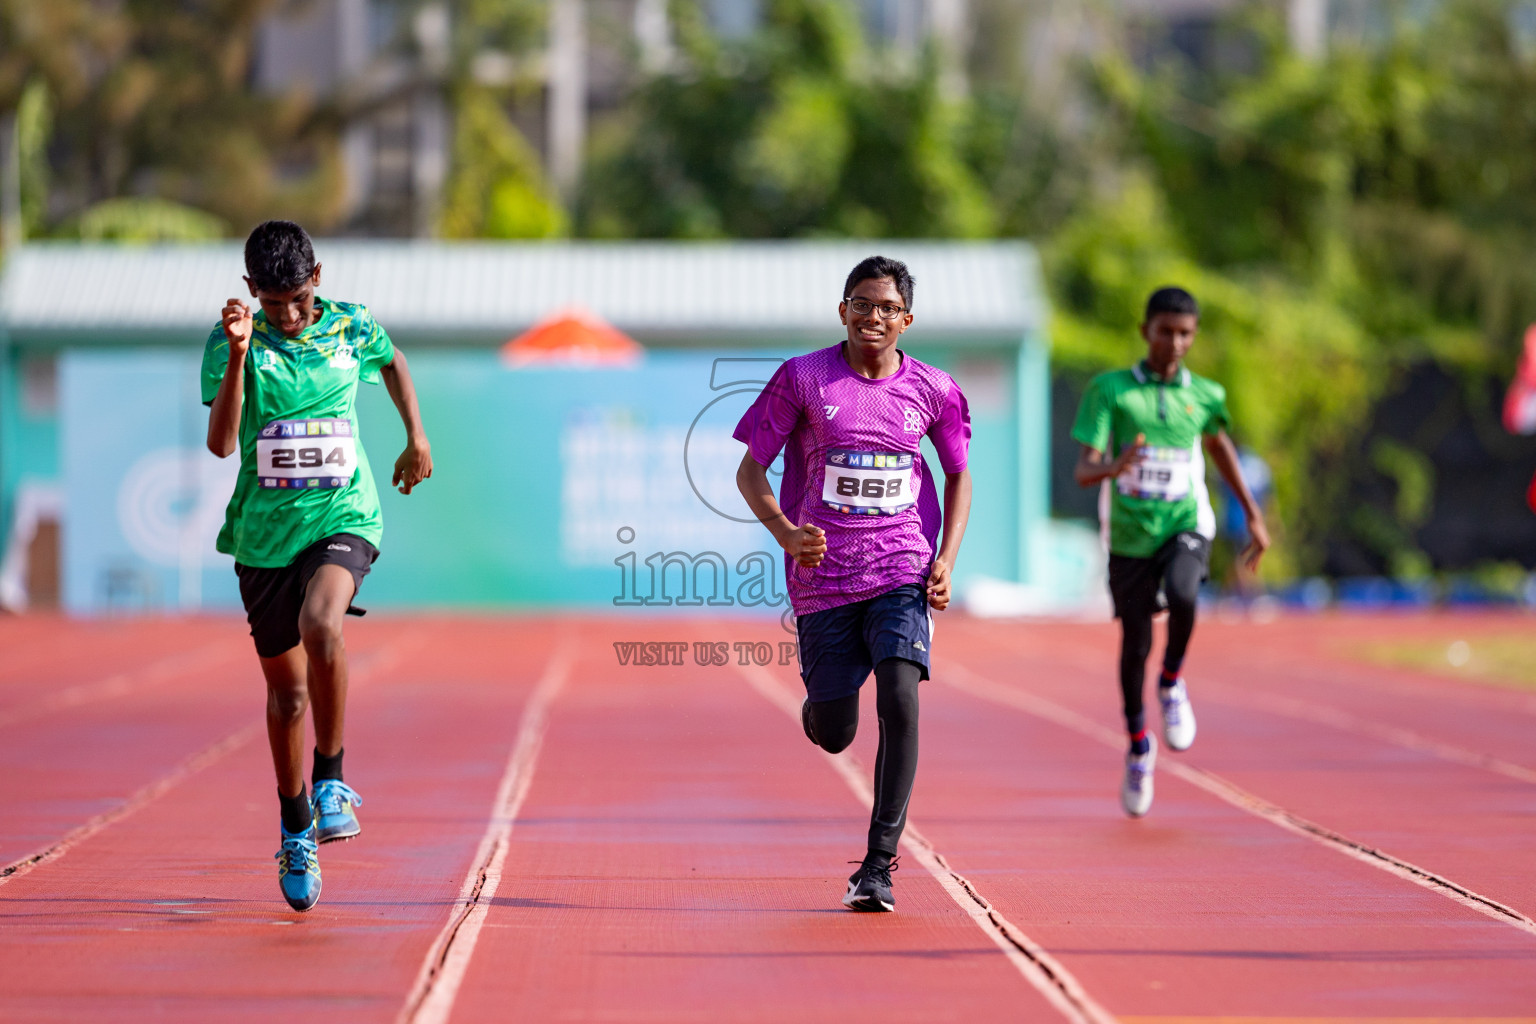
x,y
486,292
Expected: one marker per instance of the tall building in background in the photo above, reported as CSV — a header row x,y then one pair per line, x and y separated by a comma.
x,y
384,72
349,54
384,68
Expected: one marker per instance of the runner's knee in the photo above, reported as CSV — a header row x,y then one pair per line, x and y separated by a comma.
x,y
835,722
1135,639
289,702
896,682
1182,590
1182,599
321,631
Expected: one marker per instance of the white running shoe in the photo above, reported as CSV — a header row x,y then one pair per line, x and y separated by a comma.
x,y
1136,790
1178,716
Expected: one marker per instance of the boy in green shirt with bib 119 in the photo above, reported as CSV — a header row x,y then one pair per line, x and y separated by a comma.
x,y
1158,418
304,523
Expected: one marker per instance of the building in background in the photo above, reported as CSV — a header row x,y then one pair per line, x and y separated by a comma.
x,y
591,486
387,66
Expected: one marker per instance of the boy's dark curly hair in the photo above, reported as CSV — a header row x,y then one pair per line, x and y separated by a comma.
x,y
876,267
279,256
1171,299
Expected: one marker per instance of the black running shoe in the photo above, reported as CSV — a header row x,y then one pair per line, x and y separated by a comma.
x,y
869,888
805,721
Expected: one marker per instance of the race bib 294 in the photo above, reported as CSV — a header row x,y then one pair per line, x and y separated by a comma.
x,y
306,453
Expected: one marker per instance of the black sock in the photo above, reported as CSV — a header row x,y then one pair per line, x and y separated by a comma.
x,y
878,858
327,767
296,813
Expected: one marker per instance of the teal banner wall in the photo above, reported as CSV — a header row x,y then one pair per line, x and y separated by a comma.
x,y
595,488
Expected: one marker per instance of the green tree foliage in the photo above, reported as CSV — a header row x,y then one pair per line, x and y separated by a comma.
x,y
1343,221
497,188
55,43
152,99
800,130
143,220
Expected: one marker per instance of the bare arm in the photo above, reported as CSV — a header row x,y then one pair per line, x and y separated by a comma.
x,y
805,544
1094,466
224,416
415,463
1224,455
957,512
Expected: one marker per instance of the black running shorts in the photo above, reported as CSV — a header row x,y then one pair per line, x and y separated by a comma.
x,y
1136,584
274,597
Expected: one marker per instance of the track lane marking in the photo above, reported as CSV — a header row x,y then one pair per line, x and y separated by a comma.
x,y
1029,958
437,983
1324,714
986,689
120,683
1427,686
205,758
136,801
1330,715
1186,1019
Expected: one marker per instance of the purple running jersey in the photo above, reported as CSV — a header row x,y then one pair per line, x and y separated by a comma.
x,y
852,467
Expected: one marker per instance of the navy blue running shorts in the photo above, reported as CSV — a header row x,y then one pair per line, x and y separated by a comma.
x,y
841,646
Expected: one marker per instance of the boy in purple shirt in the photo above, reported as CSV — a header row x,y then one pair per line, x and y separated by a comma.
x,y
859,521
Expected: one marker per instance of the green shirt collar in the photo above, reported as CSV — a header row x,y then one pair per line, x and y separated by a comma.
x,y
315,330
1143,374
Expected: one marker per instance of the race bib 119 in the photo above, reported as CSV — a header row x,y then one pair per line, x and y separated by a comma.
x,y
306,453
1162,475
870,483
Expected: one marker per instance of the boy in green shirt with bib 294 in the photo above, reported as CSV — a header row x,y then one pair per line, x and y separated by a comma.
x,y
304,523
1158,418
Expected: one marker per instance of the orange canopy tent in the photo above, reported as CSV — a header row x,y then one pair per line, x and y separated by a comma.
x,y
572,336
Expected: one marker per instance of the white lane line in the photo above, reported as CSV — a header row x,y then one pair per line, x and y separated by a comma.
x,y
121,683
1038,968
970,682
367,667
136,801
442,972
1323,714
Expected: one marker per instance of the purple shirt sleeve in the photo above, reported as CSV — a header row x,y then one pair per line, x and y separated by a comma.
x,y
767,425
951,431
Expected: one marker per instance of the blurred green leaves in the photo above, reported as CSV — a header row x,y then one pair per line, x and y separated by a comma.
x,y
143,220
802,129
152,114
497,188
1343,222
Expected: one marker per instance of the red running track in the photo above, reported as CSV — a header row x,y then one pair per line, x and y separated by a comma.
x,y
550,835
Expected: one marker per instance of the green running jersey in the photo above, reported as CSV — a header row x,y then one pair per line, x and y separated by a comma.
x,y
303,472
1166,494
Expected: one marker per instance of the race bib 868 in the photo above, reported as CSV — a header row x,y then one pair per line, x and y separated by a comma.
x,y
306,453
869,483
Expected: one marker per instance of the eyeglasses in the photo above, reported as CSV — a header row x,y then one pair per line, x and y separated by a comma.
x,y
863,307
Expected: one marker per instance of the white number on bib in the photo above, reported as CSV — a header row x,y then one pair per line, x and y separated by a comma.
x,y
870,483
306,453
1162,475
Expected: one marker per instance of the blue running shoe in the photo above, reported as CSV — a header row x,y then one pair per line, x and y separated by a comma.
x,y
298,868
334,816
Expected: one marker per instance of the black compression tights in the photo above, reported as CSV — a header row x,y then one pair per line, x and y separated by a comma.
x,y
1181,586
836,721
